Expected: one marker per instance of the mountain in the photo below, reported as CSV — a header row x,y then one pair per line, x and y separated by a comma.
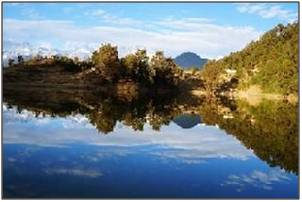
x,y
12,49
187,120
270,63
188,60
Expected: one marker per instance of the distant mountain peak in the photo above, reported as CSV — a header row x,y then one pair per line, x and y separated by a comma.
x,y
189,60
12,49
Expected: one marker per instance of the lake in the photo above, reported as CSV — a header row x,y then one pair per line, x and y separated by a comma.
x,y
78,144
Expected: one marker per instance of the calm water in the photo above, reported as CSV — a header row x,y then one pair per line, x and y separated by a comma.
x,y
73,145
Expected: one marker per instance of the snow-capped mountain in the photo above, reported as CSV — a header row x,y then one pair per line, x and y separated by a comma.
x,y
12,49
81,53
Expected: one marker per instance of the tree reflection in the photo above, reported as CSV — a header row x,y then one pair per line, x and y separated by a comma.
x,y
103,109
269,129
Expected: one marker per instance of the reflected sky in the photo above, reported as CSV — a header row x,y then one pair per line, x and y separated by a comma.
x,y
68,157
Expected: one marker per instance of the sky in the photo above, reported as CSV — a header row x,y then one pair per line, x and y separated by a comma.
x,y
211,30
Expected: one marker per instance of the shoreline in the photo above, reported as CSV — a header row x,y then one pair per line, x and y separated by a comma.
x,y
254,95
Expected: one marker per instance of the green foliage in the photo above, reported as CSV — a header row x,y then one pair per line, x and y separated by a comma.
x,y
164,70
103,109
270,129
159,71
136,66
67,63
271,62
105,66
85,65
106,61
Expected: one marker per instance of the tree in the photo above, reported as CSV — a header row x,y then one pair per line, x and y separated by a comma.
x,y
136,67
84,65
144,71
20,59
106,61
271,62
76,60
130,65
10,62
163,70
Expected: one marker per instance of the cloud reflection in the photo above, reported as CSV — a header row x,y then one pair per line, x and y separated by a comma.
x,y
74,172
259,179
189,145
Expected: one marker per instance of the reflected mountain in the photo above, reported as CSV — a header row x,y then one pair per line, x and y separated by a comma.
x,y
187,120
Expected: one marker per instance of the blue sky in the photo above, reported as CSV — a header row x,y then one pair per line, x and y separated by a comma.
x,y
209,29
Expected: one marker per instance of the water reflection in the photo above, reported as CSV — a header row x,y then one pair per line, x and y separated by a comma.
x,y
187,120
257,179
215,143
269,129
194,147
103,109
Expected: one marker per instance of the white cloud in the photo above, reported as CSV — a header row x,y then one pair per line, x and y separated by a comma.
x,y
267,11
112,19
173,36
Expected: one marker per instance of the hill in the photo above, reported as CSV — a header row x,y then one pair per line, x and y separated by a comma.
x,y
190,60
270,62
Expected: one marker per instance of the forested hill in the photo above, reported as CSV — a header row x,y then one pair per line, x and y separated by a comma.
x,y
270,62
